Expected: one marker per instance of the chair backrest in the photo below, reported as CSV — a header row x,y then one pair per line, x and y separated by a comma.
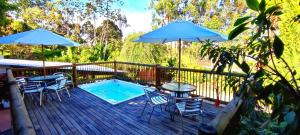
x,y
21,81
193,106
148,93
61,82
62,74
28,86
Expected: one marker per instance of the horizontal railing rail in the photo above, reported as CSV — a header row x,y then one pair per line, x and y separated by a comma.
x,y
21,122
209,84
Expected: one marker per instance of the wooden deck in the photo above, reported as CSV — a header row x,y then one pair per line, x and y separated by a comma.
x,y
84,113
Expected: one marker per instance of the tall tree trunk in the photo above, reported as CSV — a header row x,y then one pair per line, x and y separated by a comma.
x,y
95,36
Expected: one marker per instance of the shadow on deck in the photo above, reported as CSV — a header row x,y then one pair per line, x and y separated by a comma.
x,y
84,113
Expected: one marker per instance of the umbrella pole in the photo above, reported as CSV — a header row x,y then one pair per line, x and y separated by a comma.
x,y
44,69
179,63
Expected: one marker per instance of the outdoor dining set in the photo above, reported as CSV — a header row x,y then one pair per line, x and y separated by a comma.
x,y
176,99
56,82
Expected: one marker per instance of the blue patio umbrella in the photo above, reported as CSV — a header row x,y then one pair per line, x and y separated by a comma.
x,y
181,31
37,37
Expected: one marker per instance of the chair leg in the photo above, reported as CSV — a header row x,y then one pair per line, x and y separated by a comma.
x,y
41,98
58,95
151,114
68,92
181,123
144,108
23,94
31,96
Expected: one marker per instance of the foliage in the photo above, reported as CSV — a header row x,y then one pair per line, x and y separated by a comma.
x,y
4,8
171,62
272,81
141,52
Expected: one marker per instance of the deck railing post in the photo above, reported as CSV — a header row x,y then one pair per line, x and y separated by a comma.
x,y
115,68
157,75
74,74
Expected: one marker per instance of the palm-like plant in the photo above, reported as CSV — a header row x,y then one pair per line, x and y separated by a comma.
x,y
273,101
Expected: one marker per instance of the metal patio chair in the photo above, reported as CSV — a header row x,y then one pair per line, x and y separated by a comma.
x,y
154,99
191,106
58,85
31,87
67,76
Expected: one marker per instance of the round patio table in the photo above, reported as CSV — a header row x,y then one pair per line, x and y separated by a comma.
x,y
179,90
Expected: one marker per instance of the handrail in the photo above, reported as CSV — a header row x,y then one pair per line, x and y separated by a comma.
x,y
50,67
206,71
94,63
139,64
219,124
209,84
21,122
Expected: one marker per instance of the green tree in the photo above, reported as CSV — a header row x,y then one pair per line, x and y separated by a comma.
x,y
272,102
4,8
141,52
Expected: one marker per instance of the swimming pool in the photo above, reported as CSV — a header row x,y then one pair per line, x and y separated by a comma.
x,y
114,91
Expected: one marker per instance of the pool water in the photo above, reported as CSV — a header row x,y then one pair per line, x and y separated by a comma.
x,y
114,91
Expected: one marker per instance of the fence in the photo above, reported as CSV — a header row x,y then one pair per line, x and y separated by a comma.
x,y
209,85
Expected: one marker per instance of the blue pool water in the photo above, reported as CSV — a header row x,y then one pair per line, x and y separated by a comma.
x,y
114,91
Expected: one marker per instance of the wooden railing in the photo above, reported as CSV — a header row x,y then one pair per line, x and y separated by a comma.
x,y
21,122
209,85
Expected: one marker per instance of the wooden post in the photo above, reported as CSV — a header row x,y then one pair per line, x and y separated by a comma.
x,y
74,74
157,75
115,68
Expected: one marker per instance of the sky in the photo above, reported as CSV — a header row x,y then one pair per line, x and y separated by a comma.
x,y
138,16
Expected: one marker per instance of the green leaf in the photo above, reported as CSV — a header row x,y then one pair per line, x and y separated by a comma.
x,y
278,13
259,74
262,5
241,20
237,30
272,9
244,66
278,47
253,4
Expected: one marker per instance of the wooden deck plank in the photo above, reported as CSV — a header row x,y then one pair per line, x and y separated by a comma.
x,y
117,119
34,120
73,126
108,119
122,120
84,113
90,124
38,117
60,119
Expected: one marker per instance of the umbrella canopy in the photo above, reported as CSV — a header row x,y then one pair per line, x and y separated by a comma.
x,y
37,37
181,30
